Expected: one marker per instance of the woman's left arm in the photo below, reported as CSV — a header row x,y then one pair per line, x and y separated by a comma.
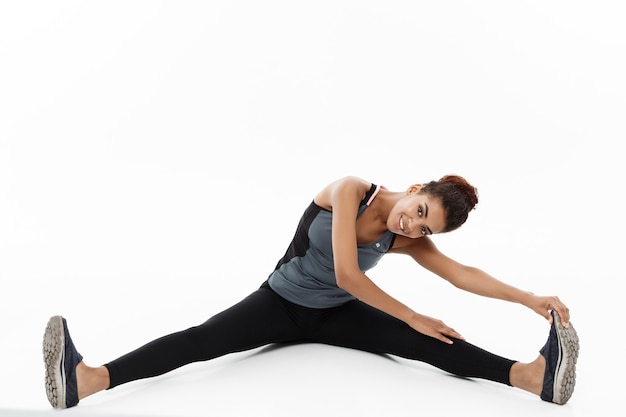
x,y
476,281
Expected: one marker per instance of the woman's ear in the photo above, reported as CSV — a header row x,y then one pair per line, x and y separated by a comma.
x,y
414,189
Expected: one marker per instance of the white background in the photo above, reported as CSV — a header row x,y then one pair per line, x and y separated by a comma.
x,y
156,156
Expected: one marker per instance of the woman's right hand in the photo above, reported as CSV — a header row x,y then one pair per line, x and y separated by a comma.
x,y
434,328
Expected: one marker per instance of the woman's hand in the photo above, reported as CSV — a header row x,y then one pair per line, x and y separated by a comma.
x,y
433,328
543,304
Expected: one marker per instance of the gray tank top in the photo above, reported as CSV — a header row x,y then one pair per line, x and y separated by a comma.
x,y
306,275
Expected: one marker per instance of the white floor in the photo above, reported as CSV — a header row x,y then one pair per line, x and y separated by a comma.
x,y
156,156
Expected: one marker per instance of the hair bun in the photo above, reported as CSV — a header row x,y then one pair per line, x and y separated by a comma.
x,y
468,191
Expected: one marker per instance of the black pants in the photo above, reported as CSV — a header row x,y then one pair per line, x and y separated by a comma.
x,y
265,317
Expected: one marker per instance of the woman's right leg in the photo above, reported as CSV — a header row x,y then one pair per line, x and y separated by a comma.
x,y
261,318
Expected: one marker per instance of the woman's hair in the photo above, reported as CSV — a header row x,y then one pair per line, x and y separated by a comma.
x,y
457,196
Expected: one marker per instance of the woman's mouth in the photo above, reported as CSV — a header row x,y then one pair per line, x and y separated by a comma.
x,y
401,224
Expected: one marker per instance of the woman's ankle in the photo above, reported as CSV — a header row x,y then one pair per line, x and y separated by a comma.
x,y
529,376
91,380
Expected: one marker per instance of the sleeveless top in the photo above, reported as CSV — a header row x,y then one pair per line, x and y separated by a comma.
x,y
305,275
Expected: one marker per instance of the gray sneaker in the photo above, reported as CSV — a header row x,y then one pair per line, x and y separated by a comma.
x,y
561,353
60,359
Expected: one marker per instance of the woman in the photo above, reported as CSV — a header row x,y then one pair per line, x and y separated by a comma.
x,y
319,293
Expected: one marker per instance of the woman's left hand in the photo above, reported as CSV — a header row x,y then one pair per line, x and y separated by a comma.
x,y
543,304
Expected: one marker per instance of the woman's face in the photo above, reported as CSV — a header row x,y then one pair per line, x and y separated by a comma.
x,y
416,215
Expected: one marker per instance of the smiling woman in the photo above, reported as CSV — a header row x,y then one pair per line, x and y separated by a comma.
x,y
319,293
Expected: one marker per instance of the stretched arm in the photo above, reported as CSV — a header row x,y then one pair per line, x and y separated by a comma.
x,y
479,282
343,198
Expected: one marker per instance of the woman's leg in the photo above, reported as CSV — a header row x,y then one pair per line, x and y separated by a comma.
x,y
261,318
359,326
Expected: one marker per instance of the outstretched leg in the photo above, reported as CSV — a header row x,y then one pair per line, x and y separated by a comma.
x,y
261,318
360,326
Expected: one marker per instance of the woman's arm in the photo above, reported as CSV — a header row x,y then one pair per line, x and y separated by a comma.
x,y
343,197
476,281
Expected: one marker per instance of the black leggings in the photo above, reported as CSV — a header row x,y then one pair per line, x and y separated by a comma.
x,y
265,317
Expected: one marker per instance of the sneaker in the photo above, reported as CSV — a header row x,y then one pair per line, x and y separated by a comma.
x,y
60,359
561,353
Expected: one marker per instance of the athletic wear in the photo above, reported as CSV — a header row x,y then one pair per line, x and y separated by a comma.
x,y
300,301
60,360
561,354
305,275
265,317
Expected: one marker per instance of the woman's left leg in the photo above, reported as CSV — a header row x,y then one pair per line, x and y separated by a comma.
x,y
359,326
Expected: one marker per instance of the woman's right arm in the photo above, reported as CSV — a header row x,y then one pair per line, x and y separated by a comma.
x,y
343,198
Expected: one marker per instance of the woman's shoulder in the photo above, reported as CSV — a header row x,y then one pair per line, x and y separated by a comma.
x,y
350,180
345,186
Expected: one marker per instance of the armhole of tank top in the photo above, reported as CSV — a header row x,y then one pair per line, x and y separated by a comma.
x,y
317,206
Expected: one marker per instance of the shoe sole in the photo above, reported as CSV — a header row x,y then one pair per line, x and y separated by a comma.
x,y
54,359
565,378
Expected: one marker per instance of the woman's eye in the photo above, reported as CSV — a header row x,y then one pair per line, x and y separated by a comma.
x,y
423,231
419,211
